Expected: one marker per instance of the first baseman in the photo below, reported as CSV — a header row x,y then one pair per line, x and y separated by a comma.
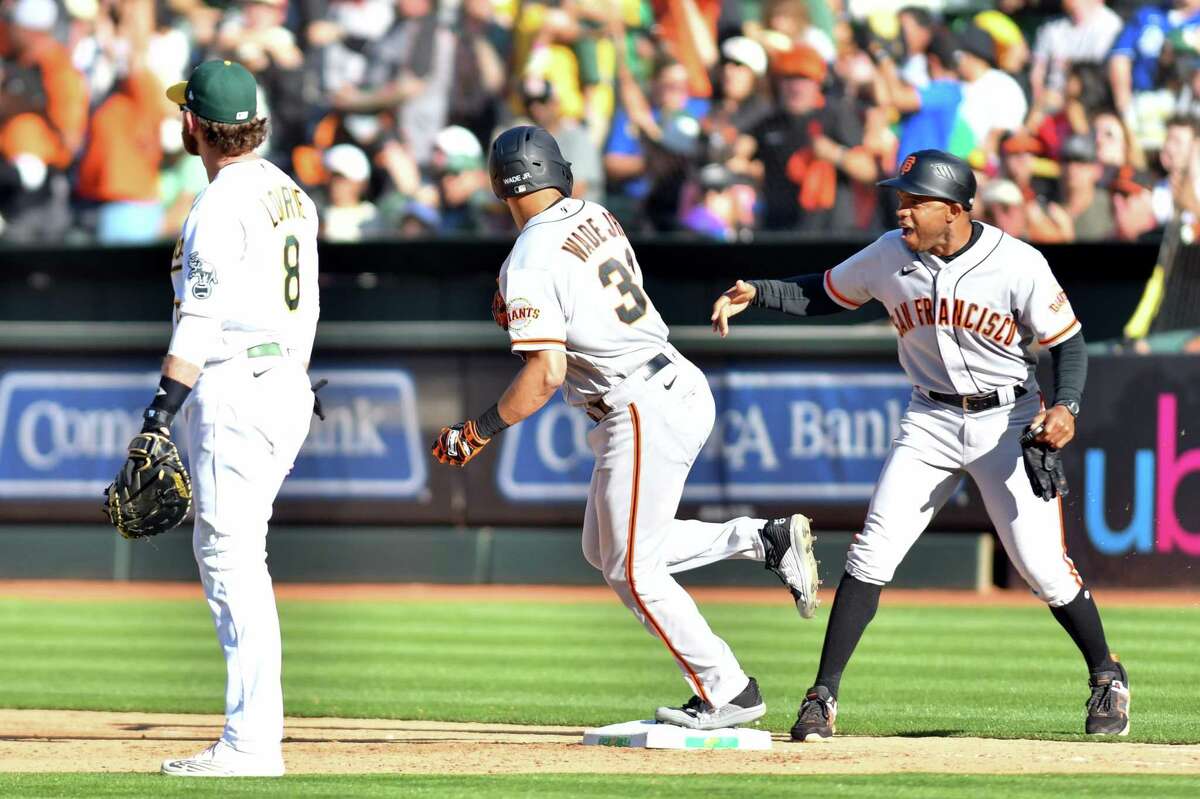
x,y
246,307
572,301
967,302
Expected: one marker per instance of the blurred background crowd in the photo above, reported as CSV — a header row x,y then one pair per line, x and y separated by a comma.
x,y
727,119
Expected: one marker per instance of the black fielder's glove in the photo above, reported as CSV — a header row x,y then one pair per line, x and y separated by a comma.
x,y
152,493
1043,465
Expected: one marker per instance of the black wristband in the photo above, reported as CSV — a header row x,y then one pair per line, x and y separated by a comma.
x,y
166,403
155,419
170,396
489,422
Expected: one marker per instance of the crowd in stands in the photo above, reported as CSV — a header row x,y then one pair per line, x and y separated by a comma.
x,y
726,119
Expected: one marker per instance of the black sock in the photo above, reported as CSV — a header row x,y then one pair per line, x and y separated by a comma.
x,y
854,606
1081,620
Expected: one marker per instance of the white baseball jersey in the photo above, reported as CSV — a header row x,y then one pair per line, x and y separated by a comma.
x,y
247,261
965,327
572,283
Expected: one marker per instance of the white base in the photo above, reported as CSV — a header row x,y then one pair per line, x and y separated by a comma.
x,y
652,735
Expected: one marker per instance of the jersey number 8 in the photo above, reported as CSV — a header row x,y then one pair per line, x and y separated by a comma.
x,y
291,266
614,273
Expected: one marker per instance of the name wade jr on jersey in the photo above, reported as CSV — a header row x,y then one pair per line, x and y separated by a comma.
x,y
586,237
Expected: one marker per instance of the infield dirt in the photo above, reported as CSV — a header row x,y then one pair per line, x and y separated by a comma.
x,y
78,741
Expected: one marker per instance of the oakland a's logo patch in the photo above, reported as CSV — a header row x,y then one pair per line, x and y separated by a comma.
x,y
908,164
202,273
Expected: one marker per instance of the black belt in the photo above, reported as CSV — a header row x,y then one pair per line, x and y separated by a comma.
x,y
598,408
975,402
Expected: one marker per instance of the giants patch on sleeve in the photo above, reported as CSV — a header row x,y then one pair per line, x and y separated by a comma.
x,y
520,313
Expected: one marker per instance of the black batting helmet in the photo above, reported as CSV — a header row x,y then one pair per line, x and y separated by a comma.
x,y
526,159
933,173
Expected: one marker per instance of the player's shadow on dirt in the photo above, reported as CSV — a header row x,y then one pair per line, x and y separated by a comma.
x,y
930,734
455,735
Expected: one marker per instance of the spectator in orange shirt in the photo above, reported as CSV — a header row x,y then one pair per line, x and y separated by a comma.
x,y
119,167
43,98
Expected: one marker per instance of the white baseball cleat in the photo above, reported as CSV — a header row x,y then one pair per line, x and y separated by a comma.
x,y
788,544
222,760
746,707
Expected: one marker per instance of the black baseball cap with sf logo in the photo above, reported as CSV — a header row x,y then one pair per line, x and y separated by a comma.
x,y
219,91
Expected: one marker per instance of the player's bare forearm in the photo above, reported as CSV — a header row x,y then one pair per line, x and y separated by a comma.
x,y
541,376
178,369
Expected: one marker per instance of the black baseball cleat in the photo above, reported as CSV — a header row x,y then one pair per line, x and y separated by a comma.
x,y
788,545
697,714
1108,706
818,712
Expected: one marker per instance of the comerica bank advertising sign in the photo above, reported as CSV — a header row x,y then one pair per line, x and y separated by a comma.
x,y
818,432
63,434
780,434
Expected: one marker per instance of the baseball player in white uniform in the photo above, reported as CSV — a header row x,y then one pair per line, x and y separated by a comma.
x,y
246,307
572,301
968,302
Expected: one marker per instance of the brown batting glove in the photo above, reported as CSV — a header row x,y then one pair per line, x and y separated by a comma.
x,y
458,444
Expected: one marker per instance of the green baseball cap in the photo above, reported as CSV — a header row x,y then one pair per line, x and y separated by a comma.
x,y
220,91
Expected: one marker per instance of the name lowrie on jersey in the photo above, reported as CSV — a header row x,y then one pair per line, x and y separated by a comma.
x,y
996,325
282,202
587,236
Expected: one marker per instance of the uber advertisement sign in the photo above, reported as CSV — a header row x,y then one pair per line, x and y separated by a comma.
x,y
1133,515
63,434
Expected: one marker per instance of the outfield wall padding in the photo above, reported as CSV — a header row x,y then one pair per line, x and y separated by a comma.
x,y
490,555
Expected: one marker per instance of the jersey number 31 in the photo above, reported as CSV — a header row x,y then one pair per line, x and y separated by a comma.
x,y
614,273
291,268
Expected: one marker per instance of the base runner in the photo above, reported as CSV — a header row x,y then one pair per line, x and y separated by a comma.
x,y
572,301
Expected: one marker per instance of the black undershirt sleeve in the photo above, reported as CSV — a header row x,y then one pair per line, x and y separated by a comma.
x,y
1070,369
803,295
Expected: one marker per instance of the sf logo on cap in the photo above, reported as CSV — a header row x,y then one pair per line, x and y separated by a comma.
x,y
908,164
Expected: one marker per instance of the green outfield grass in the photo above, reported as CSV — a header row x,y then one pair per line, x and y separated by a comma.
x,y
1003,671
619,786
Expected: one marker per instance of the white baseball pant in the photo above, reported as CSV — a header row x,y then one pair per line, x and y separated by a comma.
x,y
644,450
246,420
937,445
